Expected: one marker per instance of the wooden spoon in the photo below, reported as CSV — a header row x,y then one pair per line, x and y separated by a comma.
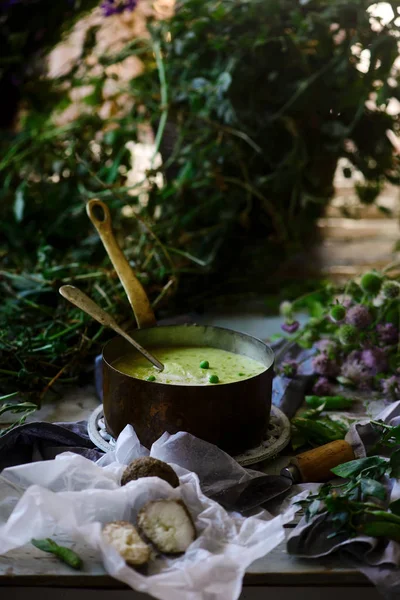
x,y
82,301
99,214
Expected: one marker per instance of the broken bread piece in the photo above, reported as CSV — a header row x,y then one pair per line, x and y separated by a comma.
x,y
146,466
125,539
168,525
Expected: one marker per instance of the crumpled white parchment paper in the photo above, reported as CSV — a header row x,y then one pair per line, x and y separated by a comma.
x,y
73,496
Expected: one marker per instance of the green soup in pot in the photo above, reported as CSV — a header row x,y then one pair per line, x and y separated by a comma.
x,y
188,365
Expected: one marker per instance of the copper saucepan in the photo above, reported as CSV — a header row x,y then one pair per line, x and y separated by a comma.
x,y
234,416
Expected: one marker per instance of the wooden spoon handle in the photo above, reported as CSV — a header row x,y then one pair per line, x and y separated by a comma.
x,y
315,465
99,214
86,304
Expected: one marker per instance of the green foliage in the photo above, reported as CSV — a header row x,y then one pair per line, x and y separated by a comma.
x,y
47,240
360,504
251,104
363,465
23,408
271,151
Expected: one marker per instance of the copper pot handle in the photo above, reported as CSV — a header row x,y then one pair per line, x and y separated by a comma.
x,y
99,214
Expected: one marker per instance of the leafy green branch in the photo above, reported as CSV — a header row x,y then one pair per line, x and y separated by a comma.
x,y
26,408
361,505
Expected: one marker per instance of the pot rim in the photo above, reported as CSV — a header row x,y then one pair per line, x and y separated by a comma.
x,y
168,385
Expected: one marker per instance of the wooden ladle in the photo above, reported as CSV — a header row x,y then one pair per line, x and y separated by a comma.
x,y
82,301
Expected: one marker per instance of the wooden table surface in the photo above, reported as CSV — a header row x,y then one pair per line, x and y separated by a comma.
x,y
30,567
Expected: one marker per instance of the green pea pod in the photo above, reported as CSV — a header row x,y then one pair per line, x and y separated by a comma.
x,y
46,545
329,402
70,557
64,554
318,431
382,529
313,413
382,515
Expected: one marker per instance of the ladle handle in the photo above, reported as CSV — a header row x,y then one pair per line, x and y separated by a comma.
x,y
86,304
133,288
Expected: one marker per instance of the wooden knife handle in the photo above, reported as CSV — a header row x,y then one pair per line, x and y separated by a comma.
x,y
315,465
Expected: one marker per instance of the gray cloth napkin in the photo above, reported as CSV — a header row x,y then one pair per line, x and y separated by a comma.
x,y
379,559
37,441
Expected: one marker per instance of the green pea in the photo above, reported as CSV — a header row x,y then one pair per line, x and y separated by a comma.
x,y
213,379
204,364
151,378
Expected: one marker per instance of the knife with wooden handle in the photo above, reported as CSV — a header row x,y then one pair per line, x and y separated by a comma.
x,y
313,466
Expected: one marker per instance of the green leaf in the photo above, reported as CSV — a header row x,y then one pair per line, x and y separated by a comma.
x,y
17,407
340,518
395,464
355,467
395,507
395,433
111,176
370,487
275,337
19,204
385,210
312,304
314,508
224,81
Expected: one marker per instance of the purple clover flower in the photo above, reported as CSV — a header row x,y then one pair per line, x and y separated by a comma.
x,y
391,387
323,387
288,368
375,360
325,366
346,301
327,346
356,370
290,327
116,7
359,316
387,333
